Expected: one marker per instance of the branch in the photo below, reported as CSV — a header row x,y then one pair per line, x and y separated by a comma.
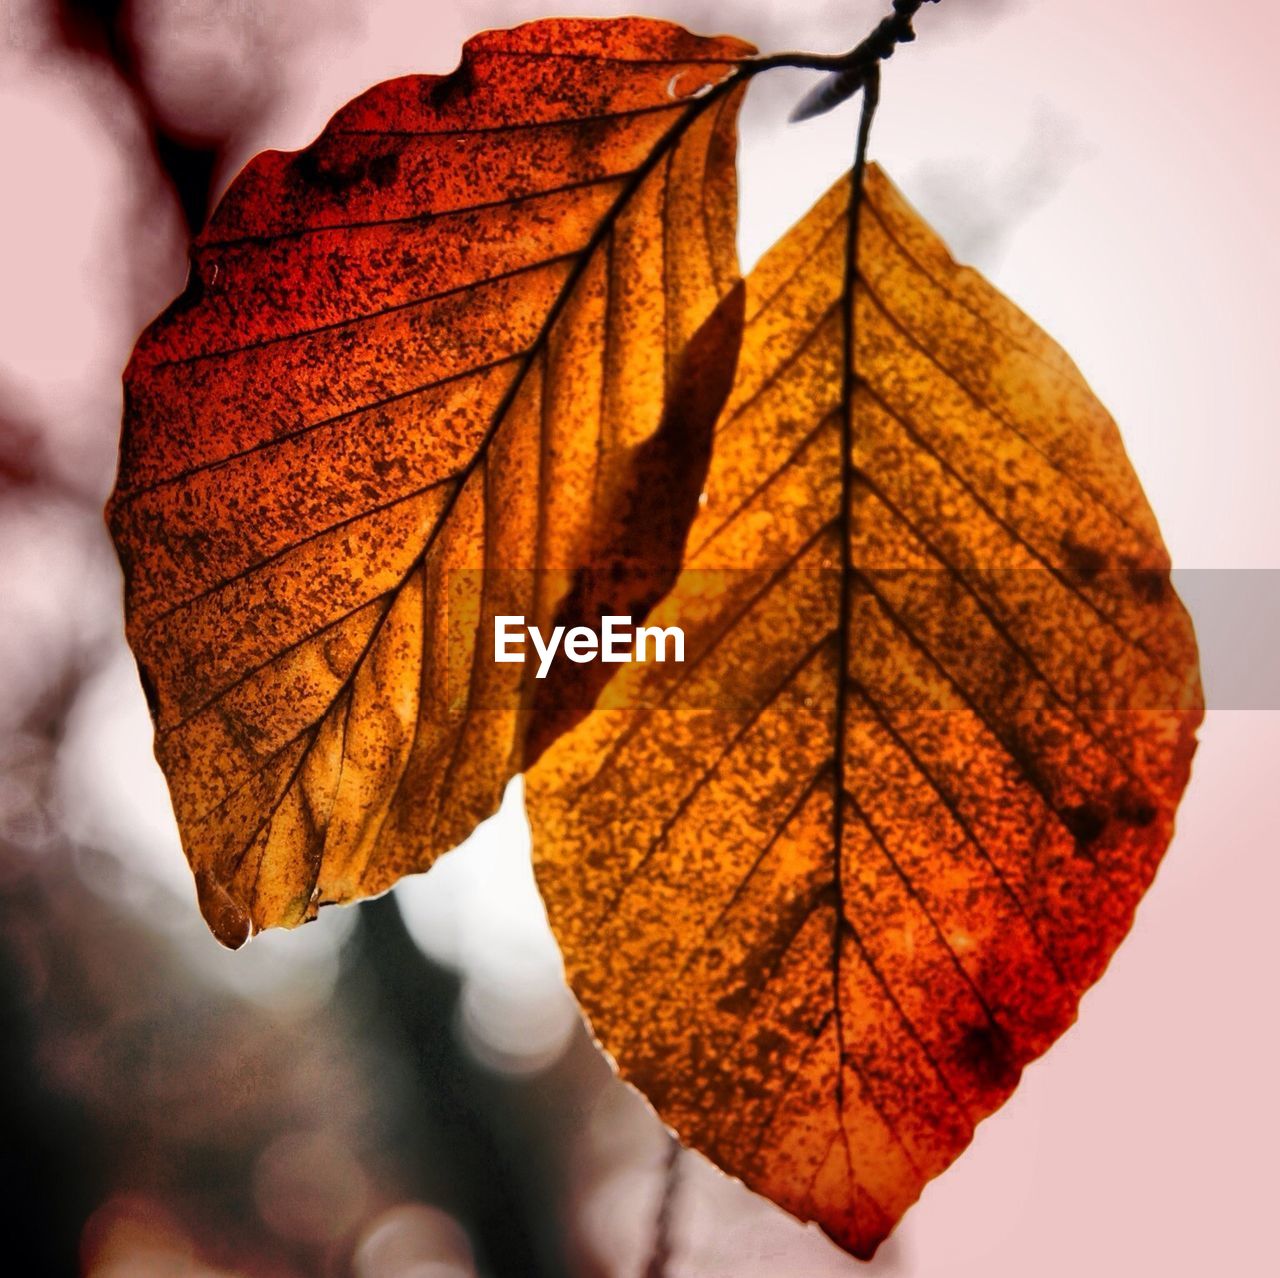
x,y
849,71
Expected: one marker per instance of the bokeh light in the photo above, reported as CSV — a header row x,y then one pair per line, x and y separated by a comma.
x,y
307,1185
414,1240
478,910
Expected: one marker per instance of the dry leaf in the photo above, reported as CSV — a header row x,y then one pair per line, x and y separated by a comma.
x,y
826,888
413,365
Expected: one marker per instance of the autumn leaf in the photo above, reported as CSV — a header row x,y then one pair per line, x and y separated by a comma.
x,y
827,887
410,370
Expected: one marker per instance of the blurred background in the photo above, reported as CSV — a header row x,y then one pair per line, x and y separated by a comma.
x,y
405,1089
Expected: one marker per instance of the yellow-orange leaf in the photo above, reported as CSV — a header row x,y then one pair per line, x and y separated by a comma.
x,y
826,888
397,396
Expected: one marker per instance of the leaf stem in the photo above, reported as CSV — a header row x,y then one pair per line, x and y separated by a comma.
x,y
849,384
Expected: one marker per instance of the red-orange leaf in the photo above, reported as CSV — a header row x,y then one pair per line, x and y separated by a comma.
x,y
396,398
827,887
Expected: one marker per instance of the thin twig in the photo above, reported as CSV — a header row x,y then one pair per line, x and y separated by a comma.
x,y
849,70
663,1241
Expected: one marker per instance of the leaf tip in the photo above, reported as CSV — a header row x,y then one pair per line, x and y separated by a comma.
x,y
227,917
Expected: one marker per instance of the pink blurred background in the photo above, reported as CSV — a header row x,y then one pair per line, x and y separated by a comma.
x,y
1109,165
